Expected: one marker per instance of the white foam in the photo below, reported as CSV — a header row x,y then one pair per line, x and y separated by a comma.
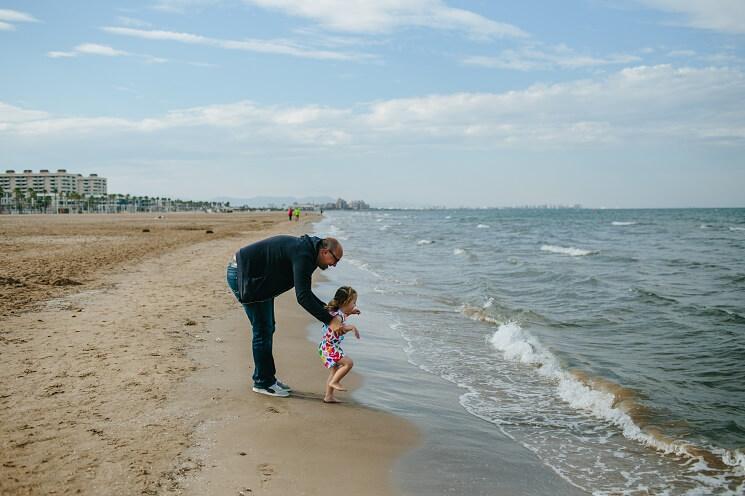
x,y
617,223
363,266
447,217
458,251
384,227
424,242
573,252
518,345
483,226
737,228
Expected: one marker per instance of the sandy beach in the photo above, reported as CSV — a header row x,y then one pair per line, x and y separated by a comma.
x,y
126,368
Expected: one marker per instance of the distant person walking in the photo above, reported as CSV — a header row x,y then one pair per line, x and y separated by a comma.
x,y
262,271
290,211
297,214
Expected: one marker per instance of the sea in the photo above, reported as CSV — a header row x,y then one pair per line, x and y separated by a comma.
x,y
603,347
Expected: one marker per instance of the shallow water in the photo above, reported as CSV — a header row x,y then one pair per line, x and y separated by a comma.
x,y
611,344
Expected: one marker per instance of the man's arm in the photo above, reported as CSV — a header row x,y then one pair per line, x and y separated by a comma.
x,y
302,271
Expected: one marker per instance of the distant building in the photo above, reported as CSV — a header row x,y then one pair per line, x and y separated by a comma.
x,y
342,204
60,182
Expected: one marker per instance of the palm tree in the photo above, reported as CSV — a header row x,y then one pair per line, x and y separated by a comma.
x,y
32,198
18,193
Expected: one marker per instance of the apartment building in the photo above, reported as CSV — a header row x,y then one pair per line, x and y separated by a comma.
x,y
60,181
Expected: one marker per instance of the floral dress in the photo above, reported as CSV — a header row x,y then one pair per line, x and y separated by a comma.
x,y
329,349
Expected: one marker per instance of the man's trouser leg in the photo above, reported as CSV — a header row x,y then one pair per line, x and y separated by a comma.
x,y
261,315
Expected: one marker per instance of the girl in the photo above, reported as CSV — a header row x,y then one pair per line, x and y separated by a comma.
x,y
329,349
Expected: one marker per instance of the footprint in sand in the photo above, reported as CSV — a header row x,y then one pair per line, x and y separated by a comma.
x,y
272,409
266,472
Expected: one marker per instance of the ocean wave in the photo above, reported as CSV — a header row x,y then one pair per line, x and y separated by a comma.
x,y
458,251
363,266
574,252
483,226
605,400
737,228
424,242
618,223
384,227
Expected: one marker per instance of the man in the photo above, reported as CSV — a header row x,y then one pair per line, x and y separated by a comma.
x,y
262,271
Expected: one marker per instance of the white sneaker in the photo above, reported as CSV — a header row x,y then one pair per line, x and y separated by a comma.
x,y
273,390
283,386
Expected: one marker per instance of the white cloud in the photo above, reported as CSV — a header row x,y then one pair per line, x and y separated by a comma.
x,y
9,17
89,49
133,22
662,105
181,6
279,47
58,55
16,16
681,53
96,49
727,16
529,58
382,16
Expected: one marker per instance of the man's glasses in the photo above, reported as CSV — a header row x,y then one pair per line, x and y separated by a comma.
x,y
336,259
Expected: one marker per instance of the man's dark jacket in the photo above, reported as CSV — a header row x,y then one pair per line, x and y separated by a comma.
x,y
271,266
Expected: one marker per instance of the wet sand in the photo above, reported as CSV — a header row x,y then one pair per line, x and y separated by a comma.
x,y
136,380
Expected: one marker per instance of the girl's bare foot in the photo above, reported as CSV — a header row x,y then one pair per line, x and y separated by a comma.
x,y
337,386
330,399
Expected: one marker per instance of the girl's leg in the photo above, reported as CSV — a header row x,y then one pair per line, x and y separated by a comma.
x,y
329,397
345,365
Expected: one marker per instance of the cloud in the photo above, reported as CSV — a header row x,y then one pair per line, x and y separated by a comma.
x,y
383,16
279,47
89,49
681,53
529,58
727,16
16,16
181,6
96,49
9,17
133,22
661,105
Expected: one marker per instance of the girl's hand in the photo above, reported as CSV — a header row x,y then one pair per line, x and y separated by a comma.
x,y
353,329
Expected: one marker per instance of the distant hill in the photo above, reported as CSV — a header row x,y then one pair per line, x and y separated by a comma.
x,y
277,201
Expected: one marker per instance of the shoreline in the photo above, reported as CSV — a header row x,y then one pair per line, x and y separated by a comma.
x,y
107,390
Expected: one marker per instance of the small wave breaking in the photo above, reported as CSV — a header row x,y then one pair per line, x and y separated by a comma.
x,y
424,242
572,252
620,223
603,399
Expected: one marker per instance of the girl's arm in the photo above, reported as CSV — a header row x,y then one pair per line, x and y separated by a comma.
x,y
336,325
350,328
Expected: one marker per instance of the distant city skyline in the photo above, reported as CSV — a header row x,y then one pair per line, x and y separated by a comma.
x,y
630,104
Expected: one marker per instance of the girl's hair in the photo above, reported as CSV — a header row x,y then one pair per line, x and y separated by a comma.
x,y
343,296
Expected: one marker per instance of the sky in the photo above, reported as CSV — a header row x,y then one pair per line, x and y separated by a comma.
x,y
616,104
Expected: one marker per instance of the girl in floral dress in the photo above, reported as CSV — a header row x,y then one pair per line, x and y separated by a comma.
x,y
329,349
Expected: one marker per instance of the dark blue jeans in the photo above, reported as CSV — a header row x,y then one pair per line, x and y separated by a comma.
x,y
261,315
